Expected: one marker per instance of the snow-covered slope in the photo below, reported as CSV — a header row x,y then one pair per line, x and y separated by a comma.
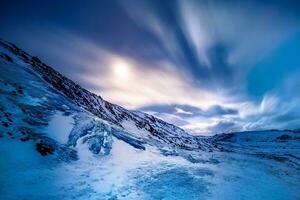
x,y
141,124
279,145
59,141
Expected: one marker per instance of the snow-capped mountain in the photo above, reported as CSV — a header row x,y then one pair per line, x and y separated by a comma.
x,y
141,124
60,141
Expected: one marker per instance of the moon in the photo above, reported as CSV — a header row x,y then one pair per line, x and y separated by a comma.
x,y
121,69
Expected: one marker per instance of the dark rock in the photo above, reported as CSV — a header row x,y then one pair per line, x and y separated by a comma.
x,y
284,137
25,130
6,57
24,57
5,124
35,121
36,59
24,139
7,114
293,156
44,148
20,91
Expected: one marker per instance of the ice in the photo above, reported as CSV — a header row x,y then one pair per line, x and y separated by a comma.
x,y
59,127
23,173
245,177
130,139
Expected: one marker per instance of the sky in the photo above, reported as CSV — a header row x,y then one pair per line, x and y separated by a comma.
x,y
206,66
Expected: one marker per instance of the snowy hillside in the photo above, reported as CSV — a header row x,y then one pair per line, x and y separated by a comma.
x,y
60,141
141,124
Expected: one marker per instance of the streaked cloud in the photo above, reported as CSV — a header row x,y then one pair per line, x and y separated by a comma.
x,y
207,66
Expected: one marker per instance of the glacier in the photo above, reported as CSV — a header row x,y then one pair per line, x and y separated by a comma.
x,y
60,141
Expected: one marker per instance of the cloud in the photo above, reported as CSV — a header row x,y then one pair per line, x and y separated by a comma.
x,y
150,85
279,107
161,90
94,67
249,27
223,127
194,119
191,111
180,111
170,118
186,62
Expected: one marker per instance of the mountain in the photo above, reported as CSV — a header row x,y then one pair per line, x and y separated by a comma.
x,y
60,141
145,125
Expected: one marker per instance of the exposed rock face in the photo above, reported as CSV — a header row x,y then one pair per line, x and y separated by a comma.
x,y
44,148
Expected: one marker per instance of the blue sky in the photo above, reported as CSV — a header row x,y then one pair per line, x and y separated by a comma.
x,y
207,66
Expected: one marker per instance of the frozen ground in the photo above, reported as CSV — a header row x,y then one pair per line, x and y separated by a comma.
x,y
51,148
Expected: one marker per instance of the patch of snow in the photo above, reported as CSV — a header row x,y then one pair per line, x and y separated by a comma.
x,y
59,127
130,127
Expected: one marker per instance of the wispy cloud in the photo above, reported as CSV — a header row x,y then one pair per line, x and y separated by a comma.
x,y
187,62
